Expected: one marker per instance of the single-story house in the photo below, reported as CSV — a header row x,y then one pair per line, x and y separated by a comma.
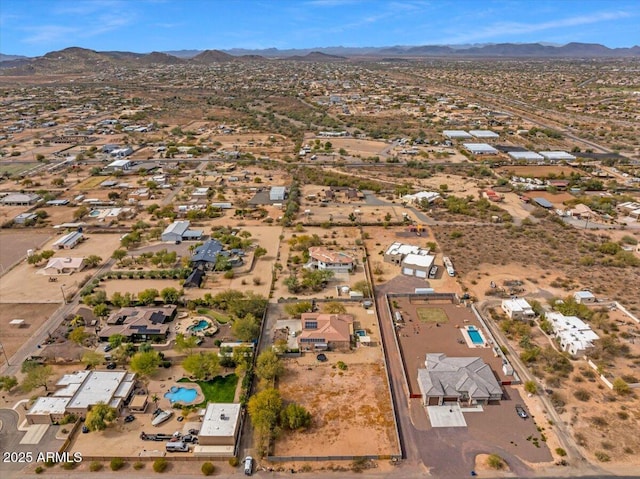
x,y
421,196
19,199
179,231
574,335
323,259
68,241
397,252
57,266
194,280
584,297
206,255
517,308
119,165
469,381
75,394
139,323
23,218
219,430
325,331
277,193
417,265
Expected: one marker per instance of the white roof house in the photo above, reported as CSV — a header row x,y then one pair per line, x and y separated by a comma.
x,y
557,156
584,297
486,134
575,336
120,165
405,249
220,425
480,148
277,193
179,230
517,308
63,266
457,135
78,391
430,196
525,155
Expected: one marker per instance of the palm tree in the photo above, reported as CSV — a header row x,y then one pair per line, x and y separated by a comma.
x,y
155,398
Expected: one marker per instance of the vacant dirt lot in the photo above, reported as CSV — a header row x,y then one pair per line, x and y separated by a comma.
x,y
351,409
33,314
15,243
538,171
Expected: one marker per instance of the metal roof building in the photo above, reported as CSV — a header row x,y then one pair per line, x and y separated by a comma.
x,y
543,202
480,148
557,156
485,134
457,135
525,155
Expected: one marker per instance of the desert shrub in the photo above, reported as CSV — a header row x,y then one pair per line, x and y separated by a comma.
x,y
138,465
233,462
116,463
358,464
95,466
49,463
207,468
582,395
69,465
39,470
607,445
160,465
530,387
341,365
621,387
602,456
623,415
495,462
598,421
561,452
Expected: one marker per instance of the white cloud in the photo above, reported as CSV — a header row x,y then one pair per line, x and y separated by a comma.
x,y
44,34
501,29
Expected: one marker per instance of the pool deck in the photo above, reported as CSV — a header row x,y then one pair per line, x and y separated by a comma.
x,y
469,341
182,325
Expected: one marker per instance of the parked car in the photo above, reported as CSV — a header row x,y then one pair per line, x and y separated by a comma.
x,y
433,272
321,357
107,348
521,411
85,429
190,438
129,418
248,465
111,366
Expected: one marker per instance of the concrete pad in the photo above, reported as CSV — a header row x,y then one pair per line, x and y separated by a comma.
x,y
446,416
34,434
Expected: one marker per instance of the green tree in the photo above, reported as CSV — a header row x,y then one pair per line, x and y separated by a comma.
x,y
170,295
334,307
148,296
78,335
36,376
186,343
80,212
316,280
7,383
99,417
242,357
101,310
246,329
363,287
295,417
92,358
531,387
264,408
202,365
46,254
92,260
119,255
296,309
115,340
121,300
145,363
621,387
208,469
268,365
259,252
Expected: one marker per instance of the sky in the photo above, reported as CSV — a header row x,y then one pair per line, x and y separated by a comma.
x,y
35,27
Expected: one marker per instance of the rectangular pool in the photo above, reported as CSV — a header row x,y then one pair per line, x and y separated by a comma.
x,y
474,334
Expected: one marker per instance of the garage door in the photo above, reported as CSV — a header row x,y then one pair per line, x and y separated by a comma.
x,y
407,271
421,274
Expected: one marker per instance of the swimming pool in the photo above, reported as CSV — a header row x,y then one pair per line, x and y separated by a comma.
x,y
361,333
183,395
474,334
94,213
199,326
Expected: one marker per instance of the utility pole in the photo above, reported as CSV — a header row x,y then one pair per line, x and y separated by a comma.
x,y
5,354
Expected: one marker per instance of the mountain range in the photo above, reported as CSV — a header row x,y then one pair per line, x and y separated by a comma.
x,y
79,60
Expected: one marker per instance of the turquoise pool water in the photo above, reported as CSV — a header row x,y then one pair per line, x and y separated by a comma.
x,y
474,334
200,326
361,332
184,395
94,213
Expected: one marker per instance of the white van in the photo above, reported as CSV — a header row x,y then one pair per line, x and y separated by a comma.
x,y
177,446
248,466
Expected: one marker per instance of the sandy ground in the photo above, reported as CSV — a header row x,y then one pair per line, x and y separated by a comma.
x,y
538,171
355,146
350,416
34,315
15,243
41,290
